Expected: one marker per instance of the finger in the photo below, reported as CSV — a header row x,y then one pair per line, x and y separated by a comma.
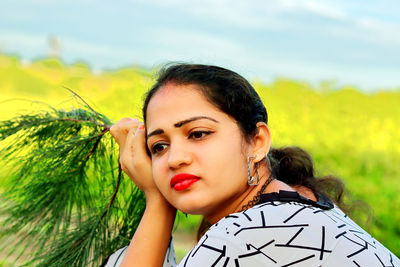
x,y
123,125
128,142
118,129
127,123
127,134
126,150
121,129
139,142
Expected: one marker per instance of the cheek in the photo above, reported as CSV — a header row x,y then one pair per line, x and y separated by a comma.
x,y
225,162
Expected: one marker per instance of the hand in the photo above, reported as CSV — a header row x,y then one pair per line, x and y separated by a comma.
x,y
129,133
154,231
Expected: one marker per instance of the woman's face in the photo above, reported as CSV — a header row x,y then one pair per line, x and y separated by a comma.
x,y
198,153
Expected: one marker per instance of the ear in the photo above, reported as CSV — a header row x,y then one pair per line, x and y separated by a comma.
x,y
261,142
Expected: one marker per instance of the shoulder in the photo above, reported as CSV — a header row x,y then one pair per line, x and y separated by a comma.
x,y
255,237
284,233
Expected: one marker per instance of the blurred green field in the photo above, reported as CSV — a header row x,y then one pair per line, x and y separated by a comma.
x,y
351,134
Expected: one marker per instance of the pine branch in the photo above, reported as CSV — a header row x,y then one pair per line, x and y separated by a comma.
x,y
87,105
64,194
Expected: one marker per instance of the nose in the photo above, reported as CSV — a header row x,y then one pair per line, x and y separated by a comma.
x,y
178,156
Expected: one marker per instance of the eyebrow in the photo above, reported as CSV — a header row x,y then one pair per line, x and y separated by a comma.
x,y
181,123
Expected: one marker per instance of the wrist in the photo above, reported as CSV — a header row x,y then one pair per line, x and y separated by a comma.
x,y
156,199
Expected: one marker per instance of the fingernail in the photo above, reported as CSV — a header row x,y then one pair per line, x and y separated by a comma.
x,y
141,127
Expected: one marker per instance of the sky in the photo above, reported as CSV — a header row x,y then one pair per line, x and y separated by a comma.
x,y
354,43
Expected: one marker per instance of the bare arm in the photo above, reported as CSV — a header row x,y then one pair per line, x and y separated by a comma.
x,y
150,242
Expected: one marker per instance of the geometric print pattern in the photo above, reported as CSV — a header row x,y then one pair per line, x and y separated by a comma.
x,y
283,233
294,234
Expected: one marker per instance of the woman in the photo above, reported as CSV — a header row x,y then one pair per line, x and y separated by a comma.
x,y
204,148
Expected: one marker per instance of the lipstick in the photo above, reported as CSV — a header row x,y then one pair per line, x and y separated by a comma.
x,y
183,181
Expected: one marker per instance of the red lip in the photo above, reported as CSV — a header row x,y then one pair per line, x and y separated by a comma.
x,y
183,181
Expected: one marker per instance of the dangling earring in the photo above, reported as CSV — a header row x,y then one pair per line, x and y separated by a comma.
x,y
251,179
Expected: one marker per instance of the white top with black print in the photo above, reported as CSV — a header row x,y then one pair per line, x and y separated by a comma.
x,y
285,229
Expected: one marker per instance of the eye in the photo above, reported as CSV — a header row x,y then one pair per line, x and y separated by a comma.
x,y
198,134
158,148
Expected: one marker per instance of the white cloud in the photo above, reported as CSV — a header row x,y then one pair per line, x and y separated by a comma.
x,y
254,13
11,39
273,15
39,41
376,31
323,9
192,42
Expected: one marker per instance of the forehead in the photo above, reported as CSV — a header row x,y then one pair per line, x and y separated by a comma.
x,y
174,102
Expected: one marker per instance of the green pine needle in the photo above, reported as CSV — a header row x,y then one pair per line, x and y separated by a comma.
x,y
65,201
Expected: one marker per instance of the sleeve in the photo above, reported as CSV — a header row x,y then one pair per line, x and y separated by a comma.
x,y
116,258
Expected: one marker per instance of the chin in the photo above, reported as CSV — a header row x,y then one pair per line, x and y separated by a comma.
x,y
191,207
